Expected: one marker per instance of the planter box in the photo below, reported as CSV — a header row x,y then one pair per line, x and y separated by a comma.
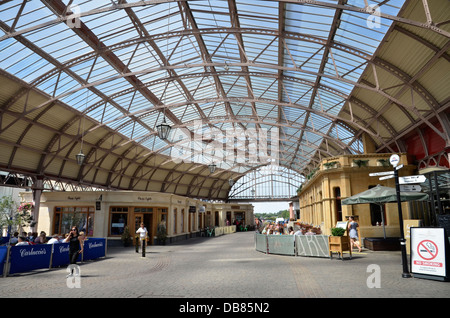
x,y
339,244
382,244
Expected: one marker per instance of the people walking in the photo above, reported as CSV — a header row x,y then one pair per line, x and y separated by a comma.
x,y
75,246
353,233
142,231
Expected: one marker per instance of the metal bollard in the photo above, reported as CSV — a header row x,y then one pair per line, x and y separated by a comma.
x,y
143,247
137,244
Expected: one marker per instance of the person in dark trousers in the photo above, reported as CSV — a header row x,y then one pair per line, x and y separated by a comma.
x,y
75,246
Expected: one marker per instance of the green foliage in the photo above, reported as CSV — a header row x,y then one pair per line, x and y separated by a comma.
x,y
161,232
330,164
337,231
361,163
273,215
10,214
126,236
384,162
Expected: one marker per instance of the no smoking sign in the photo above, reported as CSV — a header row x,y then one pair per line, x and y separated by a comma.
x,y
427,250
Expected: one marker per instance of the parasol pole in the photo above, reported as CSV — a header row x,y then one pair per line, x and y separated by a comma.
x,y
394,160
382,219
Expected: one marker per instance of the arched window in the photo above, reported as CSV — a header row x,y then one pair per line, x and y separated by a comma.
x,y
269,182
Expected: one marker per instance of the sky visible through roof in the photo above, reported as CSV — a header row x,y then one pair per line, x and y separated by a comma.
x,y
320,63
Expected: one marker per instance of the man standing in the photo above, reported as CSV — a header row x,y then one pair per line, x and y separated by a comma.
x,y
142,236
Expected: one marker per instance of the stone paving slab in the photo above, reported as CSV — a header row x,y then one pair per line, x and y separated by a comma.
x,y
225,267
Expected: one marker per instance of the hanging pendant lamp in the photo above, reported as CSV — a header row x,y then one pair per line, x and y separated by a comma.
x,y
163,129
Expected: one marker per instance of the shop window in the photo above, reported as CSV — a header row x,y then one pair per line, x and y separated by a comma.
x,y
81,217
175,221
119,219
375,213
338,206
182,220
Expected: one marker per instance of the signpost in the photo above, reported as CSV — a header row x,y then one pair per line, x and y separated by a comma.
x,y
405,184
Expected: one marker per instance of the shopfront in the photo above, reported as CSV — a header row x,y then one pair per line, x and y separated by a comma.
x,y
107,214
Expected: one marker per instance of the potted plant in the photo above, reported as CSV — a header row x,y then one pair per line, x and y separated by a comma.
x,y
337,231
331,164
383,162
126,237
161,233
339,243
360,163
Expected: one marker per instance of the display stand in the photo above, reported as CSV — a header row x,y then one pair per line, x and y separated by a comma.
x,y
340,244
430,253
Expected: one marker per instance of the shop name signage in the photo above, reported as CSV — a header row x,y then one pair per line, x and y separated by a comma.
x,y
73,198
95,244
64,248
144,198
26,252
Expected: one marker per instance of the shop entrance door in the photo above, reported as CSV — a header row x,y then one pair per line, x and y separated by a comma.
x,y
138,219
147,218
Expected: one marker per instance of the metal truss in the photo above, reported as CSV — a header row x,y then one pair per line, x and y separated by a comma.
x,y
300,68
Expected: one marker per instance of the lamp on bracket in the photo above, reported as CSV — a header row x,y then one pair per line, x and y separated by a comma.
x,y
231,182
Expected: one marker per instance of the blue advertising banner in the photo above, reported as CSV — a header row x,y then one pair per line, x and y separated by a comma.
x,y
3,253
94,248
60,254
29,257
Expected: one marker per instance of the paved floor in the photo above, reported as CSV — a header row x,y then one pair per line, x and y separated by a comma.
x,y
226,267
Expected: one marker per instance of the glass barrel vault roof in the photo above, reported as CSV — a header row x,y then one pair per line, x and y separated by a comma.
x,y
218,71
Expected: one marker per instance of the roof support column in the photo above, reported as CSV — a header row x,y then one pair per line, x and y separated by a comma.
x,y
37,188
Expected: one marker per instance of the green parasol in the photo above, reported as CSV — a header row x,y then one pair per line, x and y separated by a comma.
x,y
380,195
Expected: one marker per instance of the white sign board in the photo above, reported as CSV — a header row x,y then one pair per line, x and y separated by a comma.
x,y
382,173
428,251
410,188
412,179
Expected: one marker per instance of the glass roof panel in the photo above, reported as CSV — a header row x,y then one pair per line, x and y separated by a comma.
x,y
210,78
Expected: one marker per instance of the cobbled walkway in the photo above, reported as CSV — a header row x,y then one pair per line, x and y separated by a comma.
x,y
225,267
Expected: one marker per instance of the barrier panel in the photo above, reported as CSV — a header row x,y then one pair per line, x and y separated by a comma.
x,y
261,242
60,255
94,248
3,254
29,257
219,231
280,244
312,245
298,245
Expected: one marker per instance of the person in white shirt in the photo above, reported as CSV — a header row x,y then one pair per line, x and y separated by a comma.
x,y
22,241
142,231
54,239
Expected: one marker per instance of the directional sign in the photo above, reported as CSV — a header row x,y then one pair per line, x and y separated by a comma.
x,y
383,173
412,179
386,177
410,188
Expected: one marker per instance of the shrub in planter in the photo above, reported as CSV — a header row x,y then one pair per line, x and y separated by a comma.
x,y
337,231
